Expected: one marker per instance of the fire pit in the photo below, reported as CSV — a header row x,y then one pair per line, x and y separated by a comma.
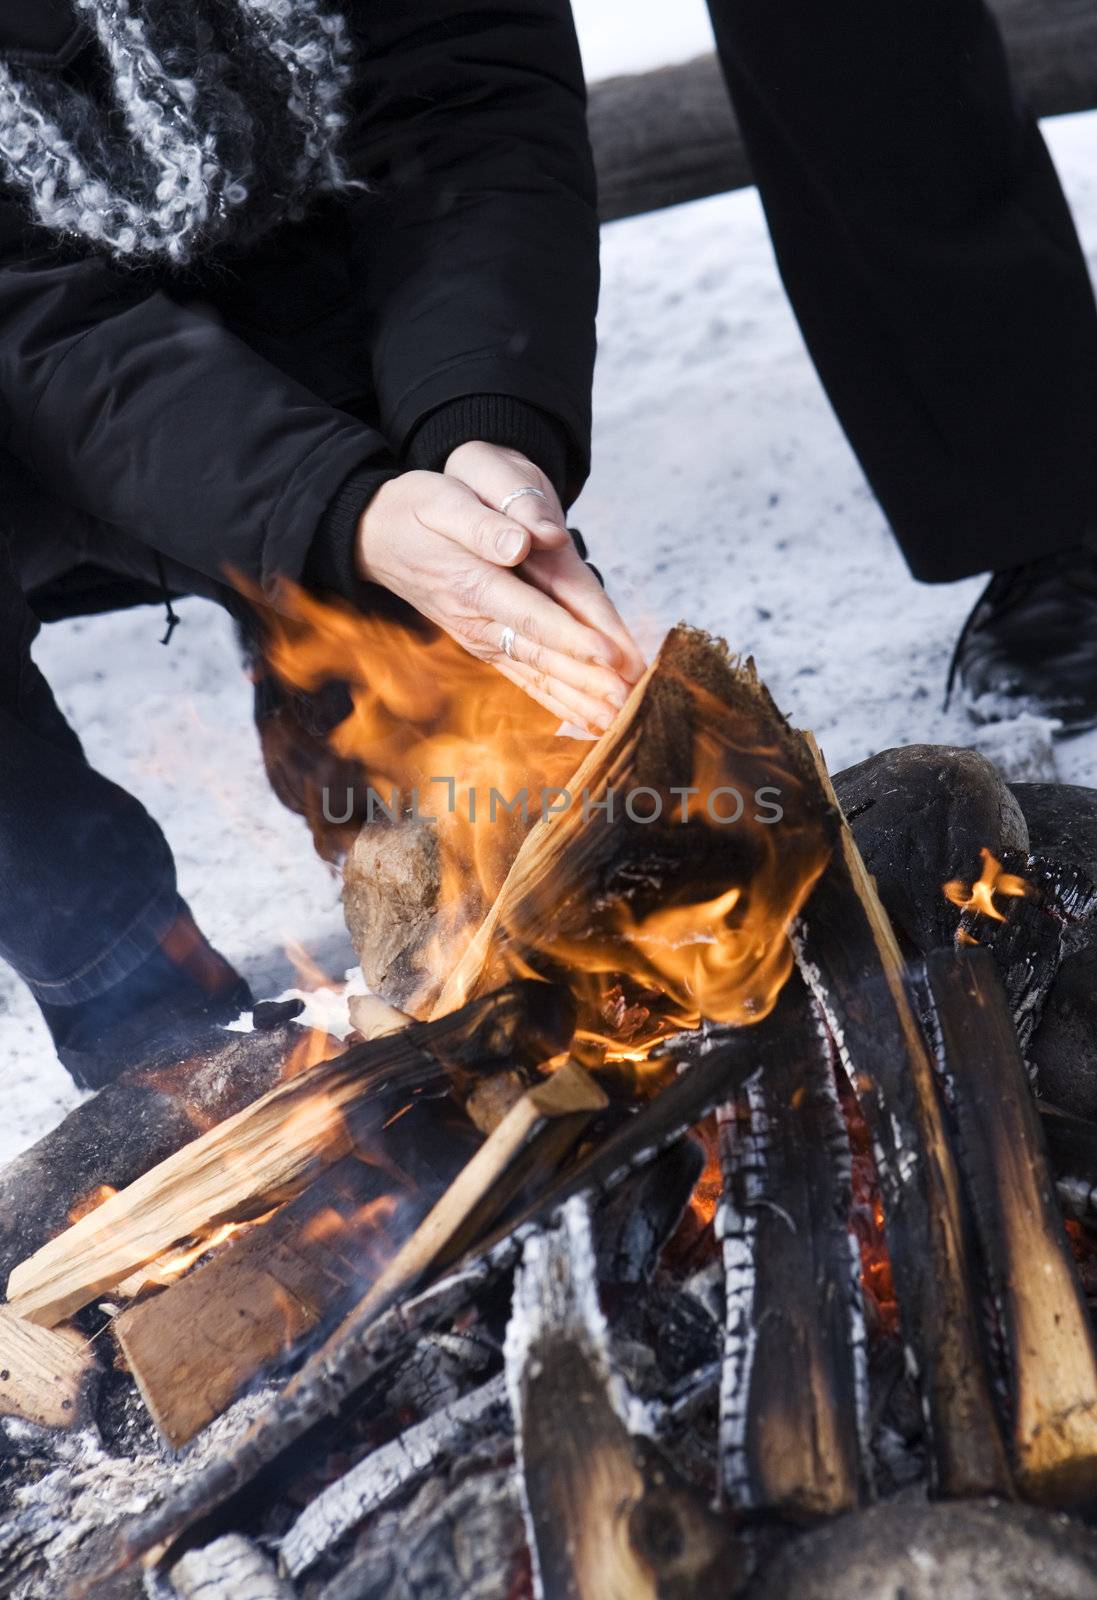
x,y
690,1220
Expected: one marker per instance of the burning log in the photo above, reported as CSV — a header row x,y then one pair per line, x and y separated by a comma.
x,y
46,1374
920,816
603,1521
112,1138
1020,910
270,1150
531,1139
795,1392
715,829
232,1568
390,1471
1041,1313
849,957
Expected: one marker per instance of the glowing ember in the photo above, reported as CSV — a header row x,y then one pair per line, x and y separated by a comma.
x,y
979,896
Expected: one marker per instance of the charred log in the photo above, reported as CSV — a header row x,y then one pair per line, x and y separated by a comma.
x,y
601,1525
794,1397
1041,1313
920,816
849,956
390,1471
232,1568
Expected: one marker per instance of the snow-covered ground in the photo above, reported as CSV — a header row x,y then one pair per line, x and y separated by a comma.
x,y
723,492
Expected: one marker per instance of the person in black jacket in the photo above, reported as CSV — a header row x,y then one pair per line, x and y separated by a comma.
x,y
931,258
296,292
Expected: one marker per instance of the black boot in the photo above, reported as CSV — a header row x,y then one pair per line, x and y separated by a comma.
x,y
173,999
1030,644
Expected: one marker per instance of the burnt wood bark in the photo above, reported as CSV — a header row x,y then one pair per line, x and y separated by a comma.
x,y
795,1392
270,1150
390,1471
1041,1313
1064,1046
602,1523
920,816
851,961
639,1217
1028,941
664,137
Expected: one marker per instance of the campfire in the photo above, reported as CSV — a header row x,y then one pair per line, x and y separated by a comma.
x,y
680,1199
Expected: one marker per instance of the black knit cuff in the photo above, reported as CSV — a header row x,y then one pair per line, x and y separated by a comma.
x,y
496,419
330,562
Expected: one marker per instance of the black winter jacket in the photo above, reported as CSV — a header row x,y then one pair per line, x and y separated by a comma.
x,y
241,415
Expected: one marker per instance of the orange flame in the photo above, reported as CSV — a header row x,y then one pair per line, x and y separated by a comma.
x,y
979,896
92,1201
431,726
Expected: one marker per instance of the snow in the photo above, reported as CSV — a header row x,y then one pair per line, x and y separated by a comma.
x,y
656,34
723,492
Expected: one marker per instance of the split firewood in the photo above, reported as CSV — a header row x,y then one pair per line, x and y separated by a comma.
x,y
114,1136
851,961
1041,1313
196,1346
711,1071
604,1521
269,1151
46,1374
794,1400
532,1139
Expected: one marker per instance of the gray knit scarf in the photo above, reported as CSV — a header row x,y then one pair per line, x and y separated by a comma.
x,y
232,111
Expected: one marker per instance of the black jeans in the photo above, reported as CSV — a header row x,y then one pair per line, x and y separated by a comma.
x,y
933,265
87,881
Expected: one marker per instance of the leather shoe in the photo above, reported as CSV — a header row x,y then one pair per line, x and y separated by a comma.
x,y
1030,644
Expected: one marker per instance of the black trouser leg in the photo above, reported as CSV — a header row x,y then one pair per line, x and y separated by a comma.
x,y
87,882
933,265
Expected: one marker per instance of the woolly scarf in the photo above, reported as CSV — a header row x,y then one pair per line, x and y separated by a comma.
x,y
232,111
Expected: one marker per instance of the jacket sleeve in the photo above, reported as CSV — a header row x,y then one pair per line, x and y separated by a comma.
x,y
477,247
148,414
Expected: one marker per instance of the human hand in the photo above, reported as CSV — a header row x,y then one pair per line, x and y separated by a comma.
x,y
493,473
429,538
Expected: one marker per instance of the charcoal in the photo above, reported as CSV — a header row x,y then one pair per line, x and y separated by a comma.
x,y
1064,1047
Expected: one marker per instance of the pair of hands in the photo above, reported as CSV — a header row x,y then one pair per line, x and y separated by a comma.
x,y
437,540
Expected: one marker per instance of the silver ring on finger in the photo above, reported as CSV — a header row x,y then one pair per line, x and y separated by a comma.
x,y
516,494
506,643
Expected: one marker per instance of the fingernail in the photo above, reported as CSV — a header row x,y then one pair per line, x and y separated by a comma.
x,y
547,525
617,696
509,544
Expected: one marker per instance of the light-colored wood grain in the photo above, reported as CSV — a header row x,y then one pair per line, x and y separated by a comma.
x,y
44,1372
